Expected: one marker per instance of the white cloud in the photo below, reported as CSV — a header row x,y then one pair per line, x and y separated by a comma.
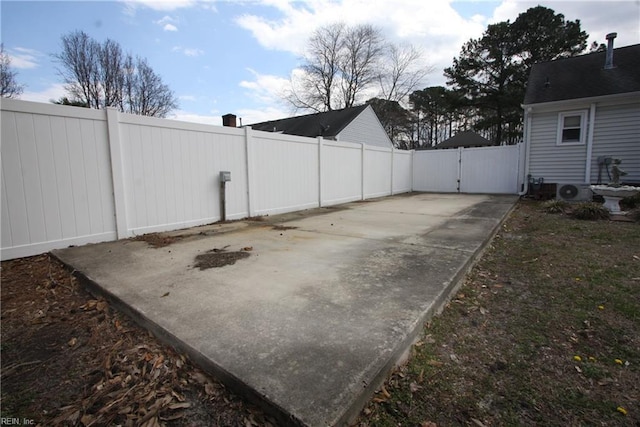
x,y
188,51
249,116
193,52
167,23
245,116
165,20
186,116
52,93
23,58
266,91
597,18
166,5
435,26
265,88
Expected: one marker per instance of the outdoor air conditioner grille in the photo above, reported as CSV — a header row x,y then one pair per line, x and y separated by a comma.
x,y
573,192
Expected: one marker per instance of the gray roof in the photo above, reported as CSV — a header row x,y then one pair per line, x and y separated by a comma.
x,y
584,76
327,124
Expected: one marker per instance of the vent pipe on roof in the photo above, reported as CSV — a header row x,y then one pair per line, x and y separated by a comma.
x,y
609,62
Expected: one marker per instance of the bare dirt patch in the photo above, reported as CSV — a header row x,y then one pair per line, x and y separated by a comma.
x,y
158,240
216,258
283,227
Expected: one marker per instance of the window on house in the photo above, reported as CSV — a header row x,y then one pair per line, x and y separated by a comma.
x,y
572,128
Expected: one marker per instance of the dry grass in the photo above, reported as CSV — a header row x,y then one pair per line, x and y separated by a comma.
x,y
545,331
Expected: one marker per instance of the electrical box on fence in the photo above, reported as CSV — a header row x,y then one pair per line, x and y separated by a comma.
x,y
225,176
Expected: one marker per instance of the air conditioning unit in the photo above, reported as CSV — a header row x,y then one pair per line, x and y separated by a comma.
x,y
574,192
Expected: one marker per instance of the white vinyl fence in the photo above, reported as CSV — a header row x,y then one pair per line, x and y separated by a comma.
x,y
72,176
491,170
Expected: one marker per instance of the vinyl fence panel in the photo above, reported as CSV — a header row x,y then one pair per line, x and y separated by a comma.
x,y
56,185
285,173
469,170
402,171
436,170
377,172
341,172
490,170
172,173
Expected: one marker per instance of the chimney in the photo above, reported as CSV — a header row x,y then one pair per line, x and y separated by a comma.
x,y
229,120
609,62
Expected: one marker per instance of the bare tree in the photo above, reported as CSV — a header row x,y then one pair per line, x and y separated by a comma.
x,y
112,71
101,75
317,87
362,53
9,87
402,72
343,63
79,58
146,94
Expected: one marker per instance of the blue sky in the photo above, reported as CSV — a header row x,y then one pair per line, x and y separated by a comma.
x,y
238,56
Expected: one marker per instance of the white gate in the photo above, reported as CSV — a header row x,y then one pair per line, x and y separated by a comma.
x,y
468,170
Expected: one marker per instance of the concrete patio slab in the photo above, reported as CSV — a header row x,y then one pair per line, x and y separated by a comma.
x,y
324,303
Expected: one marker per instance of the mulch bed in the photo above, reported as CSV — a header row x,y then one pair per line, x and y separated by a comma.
x,y
69,359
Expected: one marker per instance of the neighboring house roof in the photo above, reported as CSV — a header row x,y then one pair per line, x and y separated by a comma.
x,y
328,124
358,125
464,139
584,76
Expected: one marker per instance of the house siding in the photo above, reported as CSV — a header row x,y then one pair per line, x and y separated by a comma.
x,y
617,134
366,128
554,163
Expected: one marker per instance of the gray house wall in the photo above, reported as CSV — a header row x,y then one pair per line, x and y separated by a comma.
x,y
366,128
552,162
616,133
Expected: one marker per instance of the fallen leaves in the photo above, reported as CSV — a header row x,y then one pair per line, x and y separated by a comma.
x,y
87,365
95,304
139,386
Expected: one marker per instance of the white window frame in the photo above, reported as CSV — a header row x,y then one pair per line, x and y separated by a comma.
x,y
583,127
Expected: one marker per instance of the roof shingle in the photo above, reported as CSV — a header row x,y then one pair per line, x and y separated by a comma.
x,y
327,124
584,76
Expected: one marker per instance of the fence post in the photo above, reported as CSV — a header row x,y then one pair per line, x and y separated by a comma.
x,y
460,165
362,175
412,169
249,164
320,148
117,172
392,160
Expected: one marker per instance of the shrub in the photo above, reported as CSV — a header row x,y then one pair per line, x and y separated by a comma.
x,y
630,202
555,206
589,211
634,215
